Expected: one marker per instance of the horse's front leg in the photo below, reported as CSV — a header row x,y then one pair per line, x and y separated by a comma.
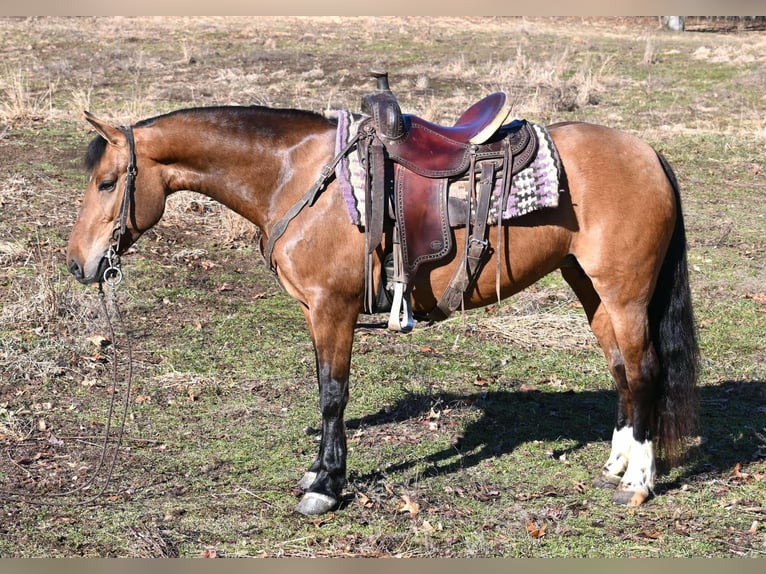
x,y
325,479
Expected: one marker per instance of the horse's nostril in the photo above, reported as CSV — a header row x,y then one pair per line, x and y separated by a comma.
x,y
75,269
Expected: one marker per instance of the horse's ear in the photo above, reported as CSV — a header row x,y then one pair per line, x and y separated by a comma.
x,y
110,133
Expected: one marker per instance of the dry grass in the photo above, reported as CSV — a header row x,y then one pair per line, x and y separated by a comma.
x,y
217,220
20,102
536,332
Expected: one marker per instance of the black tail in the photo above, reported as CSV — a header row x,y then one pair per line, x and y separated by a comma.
x,y
674,332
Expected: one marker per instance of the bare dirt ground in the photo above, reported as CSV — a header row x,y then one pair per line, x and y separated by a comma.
x,y
476,437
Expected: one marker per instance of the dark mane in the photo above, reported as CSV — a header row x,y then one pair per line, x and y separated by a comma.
x,y
95,151
253,116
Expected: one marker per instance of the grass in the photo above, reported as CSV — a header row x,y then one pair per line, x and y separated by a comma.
x,y
493,423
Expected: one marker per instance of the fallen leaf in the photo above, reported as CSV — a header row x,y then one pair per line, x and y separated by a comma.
x,y
536,531
486,494
480,381
457,490
581,487
753,527
554,514
226,287
319,522
143,399
651,534
54,440
739,474
427,527
195,207
364,500
409,506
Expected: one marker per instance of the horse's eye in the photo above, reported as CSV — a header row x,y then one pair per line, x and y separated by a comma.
x,y
106,185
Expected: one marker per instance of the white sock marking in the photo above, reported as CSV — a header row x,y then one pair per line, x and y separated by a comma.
x,y
622,440
641,469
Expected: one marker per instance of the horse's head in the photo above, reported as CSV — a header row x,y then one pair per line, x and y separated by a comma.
x,y
125,197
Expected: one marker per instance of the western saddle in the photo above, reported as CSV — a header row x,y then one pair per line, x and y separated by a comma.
x,y
410,164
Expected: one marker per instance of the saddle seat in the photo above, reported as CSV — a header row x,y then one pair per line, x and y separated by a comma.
x,y
477,124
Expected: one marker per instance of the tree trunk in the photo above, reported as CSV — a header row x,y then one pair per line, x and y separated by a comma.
x,y
674,23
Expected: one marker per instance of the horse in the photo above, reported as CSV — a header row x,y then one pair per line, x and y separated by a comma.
x,y
617,237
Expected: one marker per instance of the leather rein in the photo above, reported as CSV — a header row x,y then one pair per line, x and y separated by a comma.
x,y
112,276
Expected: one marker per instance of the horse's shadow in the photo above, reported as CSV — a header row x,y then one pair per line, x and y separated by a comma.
x,y
732,426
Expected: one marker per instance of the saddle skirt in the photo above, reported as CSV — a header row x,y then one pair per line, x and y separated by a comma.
x,y
535,187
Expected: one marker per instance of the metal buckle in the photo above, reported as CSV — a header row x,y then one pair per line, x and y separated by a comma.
x,y
113,273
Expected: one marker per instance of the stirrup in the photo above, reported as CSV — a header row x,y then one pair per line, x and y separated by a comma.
x,y
400,309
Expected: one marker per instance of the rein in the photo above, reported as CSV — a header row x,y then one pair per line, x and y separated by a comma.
x,y
104,459
112,276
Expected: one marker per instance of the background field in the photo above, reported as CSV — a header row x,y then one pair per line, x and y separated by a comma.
x,y
475,437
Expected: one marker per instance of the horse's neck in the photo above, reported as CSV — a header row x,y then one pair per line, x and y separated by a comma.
x,y
258,178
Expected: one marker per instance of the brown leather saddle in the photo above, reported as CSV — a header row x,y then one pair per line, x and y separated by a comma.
x,y
410,164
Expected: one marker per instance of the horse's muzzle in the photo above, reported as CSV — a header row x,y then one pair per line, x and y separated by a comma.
x,y
76,269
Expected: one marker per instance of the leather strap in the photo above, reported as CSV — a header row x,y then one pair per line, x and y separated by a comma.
x,y
307,200
375,194
127,196
508,162
476,249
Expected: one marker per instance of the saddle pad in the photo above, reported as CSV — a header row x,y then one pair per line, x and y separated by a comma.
x,y
535,187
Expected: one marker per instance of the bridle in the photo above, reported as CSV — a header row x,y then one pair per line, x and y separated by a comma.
x,y
113,273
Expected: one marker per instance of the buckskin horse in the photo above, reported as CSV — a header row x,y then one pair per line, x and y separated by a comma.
x,y
617,237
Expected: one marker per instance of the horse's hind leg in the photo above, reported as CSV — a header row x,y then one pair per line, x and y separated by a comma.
x,y
631,459
642,373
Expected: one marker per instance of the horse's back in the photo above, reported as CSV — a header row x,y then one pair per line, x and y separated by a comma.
x,y
616,212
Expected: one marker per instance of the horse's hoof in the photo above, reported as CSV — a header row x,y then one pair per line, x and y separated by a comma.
x,y
308,479
630,497
606,481
315,503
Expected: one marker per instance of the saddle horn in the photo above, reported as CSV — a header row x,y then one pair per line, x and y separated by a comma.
x,y
383,107
381,75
